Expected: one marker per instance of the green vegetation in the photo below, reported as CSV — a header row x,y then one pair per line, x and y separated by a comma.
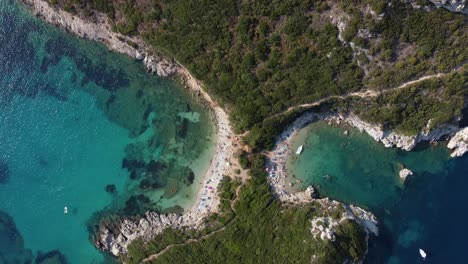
x,y
139,250
258,233
409,110
415,42
259,57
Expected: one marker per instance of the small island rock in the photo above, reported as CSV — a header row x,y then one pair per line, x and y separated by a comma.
x,y
404,173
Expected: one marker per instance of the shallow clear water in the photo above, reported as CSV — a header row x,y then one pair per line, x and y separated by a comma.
x,y
428,211
75,118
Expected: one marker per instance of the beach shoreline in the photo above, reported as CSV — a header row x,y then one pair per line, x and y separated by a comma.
x,y
207,201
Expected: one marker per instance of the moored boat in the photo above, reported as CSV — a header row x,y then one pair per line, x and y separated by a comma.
x,y
299,149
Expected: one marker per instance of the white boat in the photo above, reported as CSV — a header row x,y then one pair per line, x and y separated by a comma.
x,y
423,254
65,210
299,149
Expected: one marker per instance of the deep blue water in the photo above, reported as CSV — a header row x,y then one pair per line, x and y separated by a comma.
x,y
432,213
429,211
88,129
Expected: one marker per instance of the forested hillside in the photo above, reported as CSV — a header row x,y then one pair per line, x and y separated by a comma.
x,y
259,57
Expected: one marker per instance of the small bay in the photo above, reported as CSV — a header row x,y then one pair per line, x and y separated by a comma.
x,y
427,211
87,129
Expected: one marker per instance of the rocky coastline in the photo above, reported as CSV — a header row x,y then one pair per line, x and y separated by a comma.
x,y
391,138
452,5
324,227
99,29
459,143
115,236
457,6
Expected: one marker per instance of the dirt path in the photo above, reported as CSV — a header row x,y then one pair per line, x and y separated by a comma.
x,y
192,240
368,93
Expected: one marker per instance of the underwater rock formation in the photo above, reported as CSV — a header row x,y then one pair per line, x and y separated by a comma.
x,y
11,242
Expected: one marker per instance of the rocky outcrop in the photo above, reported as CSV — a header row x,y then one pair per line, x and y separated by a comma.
x,y
324,227
452,5
391,138
459,143
404,173
116,237
458,6
98,29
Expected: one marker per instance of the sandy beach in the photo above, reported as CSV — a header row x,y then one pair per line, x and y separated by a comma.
x,y
277,158
100,30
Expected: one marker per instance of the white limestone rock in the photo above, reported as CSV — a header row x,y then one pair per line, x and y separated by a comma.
x,y
459,143
146,227
452,5
393,139
404,173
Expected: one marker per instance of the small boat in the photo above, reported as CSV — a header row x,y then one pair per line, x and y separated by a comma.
x,y
65,210
423,254
299,149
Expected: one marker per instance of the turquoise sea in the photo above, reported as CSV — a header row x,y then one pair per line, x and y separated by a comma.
x,y
90,130
429,211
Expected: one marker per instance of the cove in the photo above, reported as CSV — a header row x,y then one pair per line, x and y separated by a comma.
x,y
428,211
88,129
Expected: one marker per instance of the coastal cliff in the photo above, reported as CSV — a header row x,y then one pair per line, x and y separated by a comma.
x,y
115,237
392,138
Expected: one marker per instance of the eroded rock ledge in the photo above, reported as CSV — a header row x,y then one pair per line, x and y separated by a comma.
x,y
364,218
391,138
458,6
459,143
115,236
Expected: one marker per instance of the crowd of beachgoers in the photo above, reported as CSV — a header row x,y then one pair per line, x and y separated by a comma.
x,y
223,160
207,199
277,159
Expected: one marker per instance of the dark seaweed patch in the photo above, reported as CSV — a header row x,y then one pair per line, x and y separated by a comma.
x,y
132,164
16,48
133,175
73,78
183,130
52,90
4,172
110,100
190,177
99,72
51,257
110,188
11,242
155,166
139,93
137,205
148,111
